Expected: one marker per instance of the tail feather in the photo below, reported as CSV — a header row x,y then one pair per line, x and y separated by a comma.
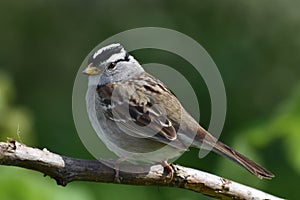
x,y
206,140
242,160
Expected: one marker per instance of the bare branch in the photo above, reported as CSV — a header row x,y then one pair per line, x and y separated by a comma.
x,y
65,170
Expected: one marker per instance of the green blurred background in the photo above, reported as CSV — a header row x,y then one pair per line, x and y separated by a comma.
x,y
255,44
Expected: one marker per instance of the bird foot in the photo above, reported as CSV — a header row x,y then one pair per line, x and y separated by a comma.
x,y
169,170
117,178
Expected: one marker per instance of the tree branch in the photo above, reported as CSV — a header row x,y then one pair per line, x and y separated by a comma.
x,y
65,170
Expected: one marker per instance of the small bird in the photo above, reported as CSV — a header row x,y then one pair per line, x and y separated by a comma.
x,y
139,119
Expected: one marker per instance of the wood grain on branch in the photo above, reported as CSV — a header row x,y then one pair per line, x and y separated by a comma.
x,y
65,170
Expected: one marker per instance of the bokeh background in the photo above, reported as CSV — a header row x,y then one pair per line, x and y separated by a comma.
x,y
255,44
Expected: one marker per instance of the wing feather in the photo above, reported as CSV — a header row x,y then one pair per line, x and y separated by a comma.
x,y
144,108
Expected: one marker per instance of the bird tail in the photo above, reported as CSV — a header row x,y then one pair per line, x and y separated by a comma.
x,y
224,150
242,160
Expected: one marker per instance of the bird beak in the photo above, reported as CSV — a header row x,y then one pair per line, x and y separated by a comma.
x,y
91,70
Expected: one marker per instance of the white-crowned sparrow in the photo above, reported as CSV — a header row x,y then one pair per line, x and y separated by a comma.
x,y
139,119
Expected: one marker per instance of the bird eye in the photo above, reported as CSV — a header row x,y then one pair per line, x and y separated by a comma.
x,y
111,66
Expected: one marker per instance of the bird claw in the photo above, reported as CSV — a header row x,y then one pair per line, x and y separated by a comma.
x,y
117,178
169,170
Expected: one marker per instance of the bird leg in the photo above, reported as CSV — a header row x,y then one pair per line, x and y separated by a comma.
x,y
168,169
117,163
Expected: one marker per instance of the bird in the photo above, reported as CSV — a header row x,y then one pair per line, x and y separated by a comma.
x,y
139,119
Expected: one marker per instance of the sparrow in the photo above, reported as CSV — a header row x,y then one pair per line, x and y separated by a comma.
x,y
138,117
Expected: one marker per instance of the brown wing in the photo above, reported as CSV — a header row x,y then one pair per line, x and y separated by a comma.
x,y
145,108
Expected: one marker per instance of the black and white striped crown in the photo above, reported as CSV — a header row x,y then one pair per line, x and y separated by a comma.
x,y
108,53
